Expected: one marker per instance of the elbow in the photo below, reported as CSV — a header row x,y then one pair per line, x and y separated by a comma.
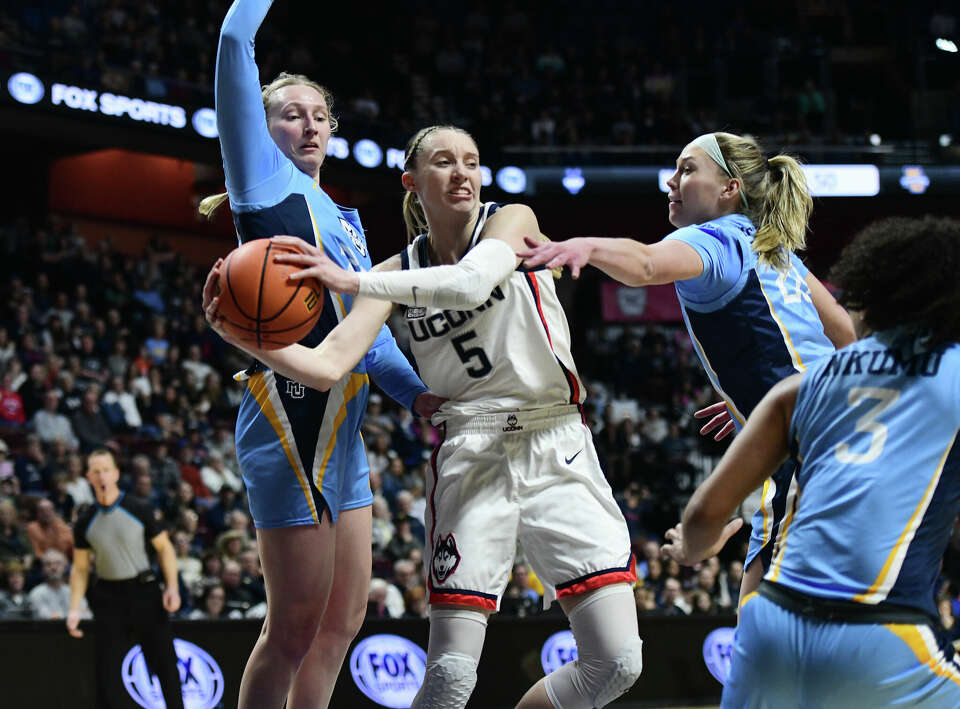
x,y
641,273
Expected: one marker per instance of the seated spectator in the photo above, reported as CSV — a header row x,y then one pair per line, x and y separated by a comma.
x,y
212,604
12,413
165,469
188,566
33,468
120,407
62,501
190,473
227,501
91,427
49,531
216,474
195,365
404,508
382,526
252,573
231,543
384,600
240,597
646,599
702,603
403,541
672,601
14,544
14,603
50,425
415,602
51,599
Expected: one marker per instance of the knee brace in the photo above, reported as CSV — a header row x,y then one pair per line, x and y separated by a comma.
x,y
447,683
610,652
456,639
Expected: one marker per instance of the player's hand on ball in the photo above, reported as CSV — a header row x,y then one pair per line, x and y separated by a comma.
x,y
721,419
572,253
211,301
316,264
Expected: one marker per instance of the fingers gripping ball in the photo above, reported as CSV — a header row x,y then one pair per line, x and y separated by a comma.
x,y
259,304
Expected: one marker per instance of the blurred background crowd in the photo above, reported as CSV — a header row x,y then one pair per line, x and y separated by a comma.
x,y
101,349
537,73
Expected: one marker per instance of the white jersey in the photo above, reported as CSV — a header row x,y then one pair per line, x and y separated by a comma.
x,y
512,353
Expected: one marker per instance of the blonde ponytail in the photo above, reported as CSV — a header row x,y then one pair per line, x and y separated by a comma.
x,y
413,216
777,195
208,205
784,213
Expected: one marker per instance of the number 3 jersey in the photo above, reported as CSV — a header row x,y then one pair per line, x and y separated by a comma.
x,y
879,474
511,353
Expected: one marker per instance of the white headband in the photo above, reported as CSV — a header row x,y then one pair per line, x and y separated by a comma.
x,y
708,144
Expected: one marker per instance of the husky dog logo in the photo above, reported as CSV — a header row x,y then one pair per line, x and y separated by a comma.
x,y
446,558
512,424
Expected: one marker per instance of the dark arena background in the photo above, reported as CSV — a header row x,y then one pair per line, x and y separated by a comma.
x,y
579,109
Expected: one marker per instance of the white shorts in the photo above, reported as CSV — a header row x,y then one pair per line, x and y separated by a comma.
x,y
531,477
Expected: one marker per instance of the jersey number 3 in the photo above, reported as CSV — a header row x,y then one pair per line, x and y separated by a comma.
x,y
478,365
868,423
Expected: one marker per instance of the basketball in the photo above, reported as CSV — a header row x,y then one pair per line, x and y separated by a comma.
x,y
259,304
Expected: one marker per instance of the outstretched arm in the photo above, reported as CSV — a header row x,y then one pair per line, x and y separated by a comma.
x,y
631,262
463,285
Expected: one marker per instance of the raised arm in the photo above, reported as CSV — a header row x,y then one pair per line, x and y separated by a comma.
x,y
631,262
249,153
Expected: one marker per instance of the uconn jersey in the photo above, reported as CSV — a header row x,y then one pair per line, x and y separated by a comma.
x,y
511,353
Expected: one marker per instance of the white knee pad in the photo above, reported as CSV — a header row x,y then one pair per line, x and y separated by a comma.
x,y
456,640
447,683
609,649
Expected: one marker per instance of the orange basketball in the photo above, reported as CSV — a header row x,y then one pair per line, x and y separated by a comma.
x,y
259,304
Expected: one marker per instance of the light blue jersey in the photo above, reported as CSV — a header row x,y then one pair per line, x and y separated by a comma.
x,y
751,326
299,449
879,464
875,429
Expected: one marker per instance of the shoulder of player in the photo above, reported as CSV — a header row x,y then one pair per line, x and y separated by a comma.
x,y
84,518
394,263
510,223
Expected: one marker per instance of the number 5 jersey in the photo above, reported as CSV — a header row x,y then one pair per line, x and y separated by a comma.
x,y
511,353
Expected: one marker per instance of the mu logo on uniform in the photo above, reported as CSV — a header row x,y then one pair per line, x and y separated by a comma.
x,y
295,390
446,558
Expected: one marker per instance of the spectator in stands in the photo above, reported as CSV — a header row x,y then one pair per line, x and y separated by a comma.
x,y
212,604
12,413
14,602
672,601
216,475
382,526
403,541
51,425
62,501
120,407
14,544
51,599
239,597
189,567
91,427
415,602
49,531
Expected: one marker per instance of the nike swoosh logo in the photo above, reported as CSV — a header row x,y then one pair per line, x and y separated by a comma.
x,y
414,290
570,459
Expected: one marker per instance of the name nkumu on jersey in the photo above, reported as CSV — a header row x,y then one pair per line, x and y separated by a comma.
x,y
439,324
